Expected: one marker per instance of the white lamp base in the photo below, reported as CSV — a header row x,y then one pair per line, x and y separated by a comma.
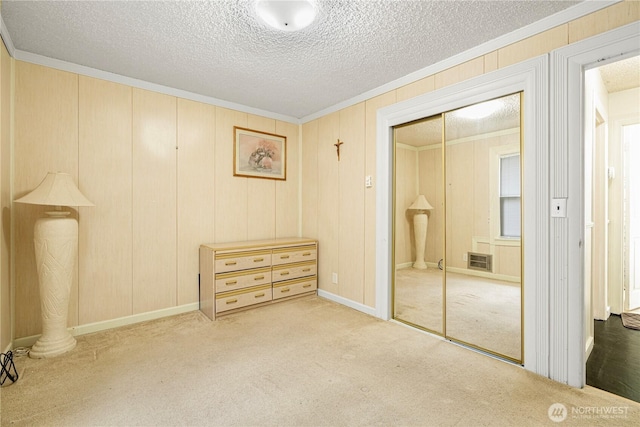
x,y
56,244
420,222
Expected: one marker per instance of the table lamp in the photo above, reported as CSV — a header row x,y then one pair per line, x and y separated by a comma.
x,y
56,243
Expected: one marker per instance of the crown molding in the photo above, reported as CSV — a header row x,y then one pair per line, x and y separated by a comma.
x,y
6,38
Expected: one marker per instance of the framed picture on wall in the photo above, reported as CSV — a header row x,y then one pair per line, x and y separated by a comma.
x,y
259,154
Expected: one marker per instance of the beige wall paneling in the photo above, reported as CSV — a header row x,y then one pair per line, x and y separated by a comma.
x,y
5,195
287,192
460,175
430,172
328,202
45,140
351,193
491,61
231,191
105,241
195,193
422,86
508,261
371,112
261,193
533,46
459,73
406,190
480,182
154,201
310,181
604,20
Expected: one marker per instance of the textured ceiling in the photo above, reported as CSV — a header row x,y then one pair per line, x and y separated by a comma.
x,y
220,49
621,75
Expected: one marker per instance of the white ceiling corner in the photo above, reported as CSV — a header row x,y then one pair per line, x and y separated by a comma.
x,y
219,52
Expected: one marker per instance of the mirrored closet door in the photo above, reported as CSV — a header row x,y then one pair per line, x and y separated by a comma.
x,y
458,211
419,233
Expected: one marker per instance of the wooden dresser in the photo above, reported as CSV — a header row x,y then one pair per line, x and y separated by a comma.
x,y
241,275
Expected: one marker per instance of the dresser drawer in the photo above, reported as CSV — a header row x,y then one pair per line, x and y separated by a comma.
x,y
295,254
235,261
294,271
294,287
242,298
242,279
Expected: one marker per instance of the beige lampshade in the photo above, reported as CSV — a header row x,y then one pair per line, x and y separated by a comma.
x,y
56,189
421,204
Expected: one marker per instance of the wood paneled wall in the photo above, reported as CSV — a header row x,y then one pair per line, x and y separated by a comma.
x,y
6,296
319,135
160,172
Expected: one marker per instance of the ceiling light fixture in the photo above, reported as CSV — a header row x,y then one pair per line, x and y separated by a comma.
x,y
480,111
286,15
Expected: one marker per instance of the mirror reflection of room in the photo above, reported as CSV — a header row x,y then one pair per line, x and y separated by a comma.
x,y
418,296
458,226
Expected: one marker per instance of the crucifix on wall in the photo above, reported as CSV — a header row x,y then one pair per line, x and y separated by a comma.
x,y
338,144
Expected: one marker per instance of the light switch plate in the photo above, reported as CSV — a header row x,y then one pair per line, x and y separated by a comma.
x,y
558,208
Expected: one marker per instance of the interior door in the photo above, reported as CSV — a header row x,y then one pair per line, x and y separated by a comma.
x,y
457,210
631,135
483,273
418,295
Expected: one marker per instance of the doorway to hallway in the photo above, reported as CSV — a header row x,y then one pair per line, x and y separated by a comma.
x,y
612,225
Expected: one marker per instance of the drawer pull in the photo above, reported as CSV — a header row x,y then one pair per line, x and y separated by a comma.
x,y
306,269
232,301
230,263
259,295
231,282
284,273
258,259
308,285
306,254
284,290
258,278
284,257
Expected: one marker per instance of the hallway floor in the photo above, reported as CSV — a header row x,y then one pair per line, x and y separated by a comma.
x,y
614,364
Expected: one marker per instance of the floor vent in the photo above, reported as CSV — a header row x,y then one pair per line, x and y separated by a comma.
x,y
482,262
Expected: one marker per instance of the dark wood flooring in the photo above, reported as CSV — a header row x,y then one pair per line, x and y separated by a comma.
x,y
614,363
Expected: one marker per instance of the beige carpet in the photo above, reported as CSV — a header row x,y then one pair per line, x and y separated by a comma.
x,y
480,311
305,362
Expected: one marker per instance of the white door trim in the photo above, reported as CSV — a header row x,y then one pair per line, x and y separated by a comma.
x,y
567,314
532,78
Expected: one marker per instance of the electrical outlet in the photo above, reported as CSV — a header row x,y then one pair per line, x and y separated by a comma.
x,y
334,278
464,257
368,181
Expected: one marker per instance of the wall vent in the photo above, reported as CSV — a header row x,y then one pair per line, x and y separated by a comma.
x,y
482,262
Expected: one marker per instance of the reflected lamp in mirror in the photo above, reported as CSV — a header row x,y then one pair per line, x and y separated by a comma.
x,y
55,238
419,209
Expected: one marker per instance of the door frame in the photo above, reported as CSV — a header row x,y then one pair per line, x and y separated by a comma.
x,y
568,316
531,77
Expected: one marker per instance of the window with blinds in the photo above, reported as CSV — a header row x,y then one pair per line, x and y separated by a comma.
x,y
510,196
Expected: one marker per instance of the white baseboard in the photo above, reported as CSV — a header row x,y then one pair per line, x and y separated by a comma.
x,y
115,323
588,348
486,275
344,301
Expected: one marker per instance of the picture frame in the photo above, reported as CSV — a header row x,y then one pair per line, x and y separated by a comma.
x,y
259,154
